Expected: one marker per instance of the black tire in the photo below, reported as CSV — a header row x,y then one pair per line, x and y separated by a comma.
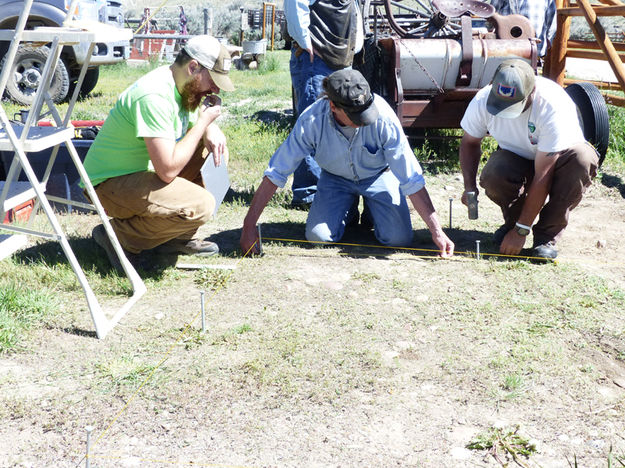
x,y
26,74
90,81
88,84
592,112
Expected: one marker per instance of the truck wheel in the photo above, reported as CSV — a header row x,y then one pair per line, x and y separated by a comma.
x,y
592,112
90,81
88,84
25,76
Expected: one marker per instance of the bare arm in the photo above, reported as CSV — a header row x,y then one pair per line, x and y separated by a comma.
x,y
249,235
170,157
470,154
423,204
536,195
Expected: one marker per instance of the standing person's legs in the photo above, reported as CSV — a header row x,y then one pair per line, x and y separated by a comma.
x,y
574,171
505,179
307,79
147,212
388,209
329,212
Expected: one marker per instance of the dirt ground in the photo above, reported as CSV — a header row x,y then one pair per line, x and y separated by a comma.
x,y
325,357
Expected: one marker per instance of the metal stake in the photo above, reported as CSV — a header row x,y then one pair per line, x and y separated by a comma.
x,y
451,200
203,316
260,240
89,430
477,249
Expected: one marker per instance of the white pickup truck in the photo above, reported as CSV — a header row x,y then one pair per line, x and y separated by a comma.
x,y
27,68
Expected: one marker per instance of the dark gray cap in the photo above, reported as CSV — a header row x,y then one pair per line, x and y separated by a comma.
x,y
512,85
349,90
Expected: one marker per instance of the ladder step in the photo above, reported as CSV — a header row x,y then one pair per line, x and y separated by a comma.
x,y
39,138
10,243
19,193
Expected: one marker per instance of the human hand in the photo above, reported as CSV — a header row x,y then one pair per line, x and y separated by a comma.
x,y
210,109
512,243
215,142
464,199
249,241
444,243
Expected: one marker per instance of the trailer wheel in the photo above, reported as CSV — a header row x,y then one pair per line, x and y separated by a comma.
x,y
25,76
592,112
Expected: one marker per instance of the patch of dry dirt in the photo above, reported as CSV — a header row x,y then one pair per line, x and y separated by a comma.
x,y
327,357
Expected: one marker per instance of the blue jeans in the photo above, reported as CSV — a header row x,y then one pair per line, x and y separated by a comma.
x,y
307,81
335,196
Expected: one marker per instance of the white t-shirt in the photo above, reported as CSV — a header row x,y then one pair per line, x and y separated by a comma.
x,y
550,124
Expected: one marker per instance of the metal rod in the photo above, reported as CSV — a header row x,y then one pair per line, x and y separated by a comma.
x,y
260,240
89,430
451,201
203,315
477,249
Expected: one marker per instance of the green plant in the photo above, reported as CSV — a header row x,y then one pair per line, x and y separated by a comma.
x,y
212,280
20,308
504,443
124,371
270,64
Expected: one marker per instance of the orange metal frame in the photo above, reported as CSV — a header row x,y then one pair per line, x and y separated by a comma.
x,y
602,49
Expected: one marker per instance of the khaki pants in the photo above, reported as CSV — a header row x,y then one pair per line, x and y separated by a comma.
x,y
506,177
147,212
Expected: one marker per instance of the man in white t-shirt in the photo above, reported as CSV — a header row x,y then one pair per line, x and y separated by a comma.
x,y
542,154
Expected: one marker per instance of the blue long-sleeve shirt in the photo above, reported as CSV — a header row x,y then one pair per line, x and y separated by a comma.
x,y
368,152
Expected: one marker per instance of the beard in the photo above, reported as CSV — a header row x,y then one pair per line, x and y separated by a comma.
x,y
192,95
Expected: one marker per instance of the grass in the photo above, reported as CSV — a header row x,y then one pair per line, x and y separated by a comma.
x,y
22,308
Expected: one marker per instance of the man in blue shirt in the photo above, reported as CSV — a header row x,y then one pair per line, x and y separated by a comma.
x,y
326,35
362,150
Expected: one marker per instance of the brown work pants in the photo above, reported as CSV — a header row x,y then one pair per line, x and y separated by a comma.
x,y
506,177
147,212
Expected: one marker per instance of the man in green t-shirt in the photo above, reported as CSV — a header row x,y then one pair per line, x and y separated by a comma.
x,y
145,162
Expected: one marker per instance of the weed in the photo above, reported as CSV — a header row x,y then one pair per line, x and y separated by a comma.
x,y
212,280
365,277
270,64
506,443
124,371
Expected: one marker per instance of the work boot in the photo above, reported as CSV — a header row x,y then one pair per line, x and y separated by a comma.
x,y
546,250
201,248
102,239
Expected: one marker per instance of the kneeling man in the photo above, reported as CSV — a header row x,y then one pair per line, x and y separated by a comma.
x,y
358,142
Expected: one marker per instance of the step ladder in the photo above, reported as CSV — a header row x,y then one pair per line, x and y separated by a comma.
x,y
22,138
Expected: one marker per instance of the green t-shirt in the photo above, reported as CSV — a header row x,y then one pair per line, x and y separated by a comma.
x,y
151,107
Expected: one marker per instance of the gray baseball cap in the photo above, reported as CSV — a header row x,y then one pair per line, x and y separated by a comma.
x,y
212,55
349,90
512,85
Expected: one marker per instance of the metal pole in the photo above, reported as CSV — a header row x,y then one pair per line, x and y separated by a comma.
x,y
203,315
89,430
477,249
451,200
260,241
205,11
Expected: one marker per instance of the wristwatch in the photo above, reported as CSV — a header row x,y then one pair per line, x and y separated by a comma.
x,y
522,229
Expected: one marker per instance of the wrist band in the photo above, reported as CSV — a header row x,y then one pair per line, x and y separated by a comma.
x,y
523,226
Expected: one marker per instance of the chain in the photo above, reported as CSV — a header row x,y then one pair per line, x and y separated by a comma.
x,y
427,73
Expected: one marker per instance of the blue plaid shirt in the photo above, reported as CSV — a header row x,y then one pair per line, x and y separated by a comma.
x,y
541,14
